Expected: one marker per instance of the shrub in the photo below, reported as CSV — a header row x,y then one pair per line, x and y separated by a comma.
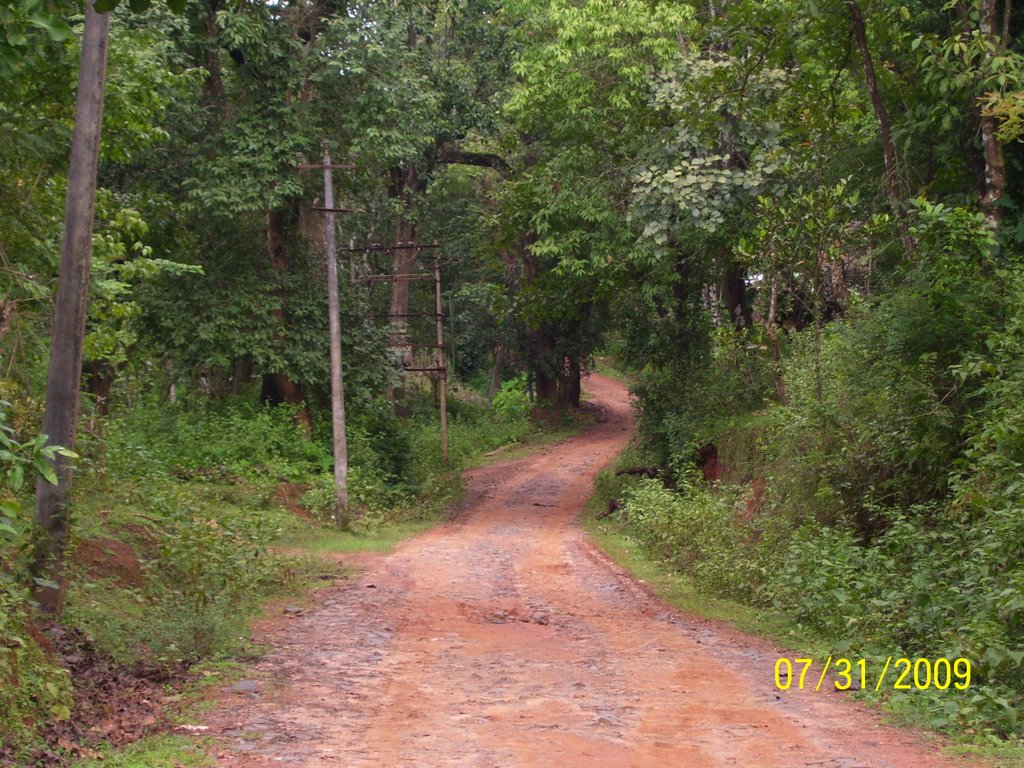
x,y
373,500
512,402
694,531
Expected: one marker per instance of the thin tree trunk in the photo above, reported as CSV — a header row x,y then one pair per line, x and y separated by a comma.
x,y
574,383
734,294
241,373
405,184
404,261
546,388
399,339
499,362
818,309
52,512
214,80
773,341
6,316
992,148
893,178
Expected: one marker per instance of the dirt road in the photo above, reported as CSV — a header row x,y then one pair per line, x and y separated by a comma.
x,y
505,639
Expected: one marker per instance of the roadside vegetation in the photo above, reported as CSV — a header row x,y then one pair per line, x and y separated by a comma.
x,y
876,511
188,518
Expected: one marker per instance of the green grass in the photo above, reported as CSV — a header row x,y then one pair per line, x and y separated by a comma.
x,y
314,539
991,755
528,445
165,750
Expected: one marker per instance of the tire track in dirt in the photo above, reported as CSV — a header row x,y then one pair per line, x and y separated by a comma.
x,y
504,638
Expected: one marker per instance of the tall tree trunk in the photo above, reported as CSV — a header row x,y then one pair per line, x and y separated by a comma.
x,y
98,379
403,263
772,329
52,512
546,387
573,382
734,294
893,178
241,373
214,80
992,148
499,362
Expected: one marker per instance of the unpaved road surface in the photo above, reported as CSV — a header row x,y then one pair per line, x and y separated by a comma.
x,y
505,639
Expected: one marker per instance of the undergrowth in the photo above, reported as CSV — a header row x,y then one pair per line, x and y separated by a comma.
x,y
179,524
879,507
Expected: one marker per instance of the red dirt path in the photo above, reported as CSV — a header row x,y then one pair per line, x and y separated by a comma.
x,y
505,639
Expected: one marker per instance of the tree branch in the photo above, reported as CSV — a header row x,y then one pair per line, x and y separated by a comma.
x,y
453,156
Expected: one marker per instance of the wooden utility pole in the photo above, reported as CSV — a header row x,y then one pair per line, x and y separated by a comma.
x,y
340,445
442,372
439,368
68,334
337,381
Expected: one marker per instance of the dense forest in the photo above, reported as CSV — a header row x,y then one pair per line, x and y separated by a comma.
x,y
797,225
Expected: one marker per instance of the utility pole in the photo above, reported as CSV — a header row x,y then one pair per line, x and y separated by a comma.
x,y
337,381
439,368
340,446
442,372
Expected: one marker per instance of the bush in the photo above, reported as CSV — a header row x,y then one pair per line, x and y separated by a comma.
x,y
372,499
35,687
512,402
695,532
236,439
205,565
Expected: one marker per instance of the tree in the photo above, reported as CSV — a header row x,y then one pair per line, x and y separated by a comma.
x,y
581,112
68,333
64,372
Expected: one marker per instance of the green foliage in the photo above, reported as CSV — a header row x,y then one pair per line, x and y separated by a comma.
x,y
121,263
24,25
879,506
689,180
231,440
684,405
374,500
138,6
512,401
206,577
36,688
20,462
204,569
1009,110
693,530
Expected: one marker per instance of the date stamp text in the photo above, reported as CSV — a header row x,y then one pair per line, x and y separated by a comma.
x,y
897,673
